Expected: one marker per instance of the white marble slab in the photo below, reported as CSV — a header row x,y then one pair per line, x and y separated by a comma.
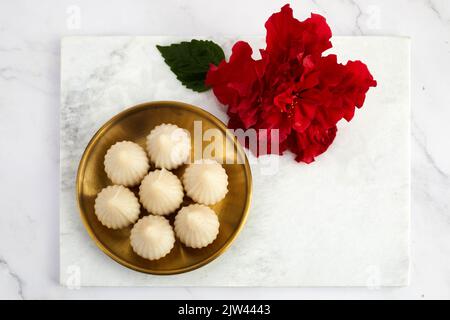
x,y
341,221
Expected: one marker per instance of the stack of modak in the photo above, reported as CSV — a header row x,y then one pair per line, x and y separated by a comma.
x,y
161,193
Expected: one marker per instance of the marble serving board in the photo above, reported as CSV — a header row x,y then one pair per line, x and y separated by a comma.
x,y
341,221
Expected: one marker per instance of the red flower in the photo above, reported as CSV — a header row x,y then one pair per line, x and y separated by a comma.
x,y
292,88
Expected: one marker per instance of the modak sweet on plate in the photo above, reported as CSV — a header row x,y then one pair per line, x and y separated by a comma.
x,y
205,181
126,163
168,146
196,225
161,192
116,207
152,237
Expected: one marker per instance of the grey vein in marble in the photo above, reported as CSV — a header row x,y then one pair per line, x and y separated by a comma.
x,y
4,264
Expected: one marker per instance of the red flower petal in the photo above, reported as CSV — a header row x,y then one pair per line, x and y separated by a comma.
x,y
346,86
287,37
312,142
234,83
292,88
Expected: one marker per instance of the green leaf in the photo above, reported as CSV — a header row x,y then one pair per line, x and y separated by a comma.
x,y
190,61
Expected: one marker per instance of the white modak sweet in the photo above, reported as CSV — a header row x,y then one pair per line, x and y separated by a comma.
x,y
161,192
126,163
206,181
196,225
116,207
168,146
152,237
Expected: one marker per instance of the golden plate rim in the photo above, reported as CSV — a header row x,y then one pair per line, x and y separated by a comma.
x,y
136,108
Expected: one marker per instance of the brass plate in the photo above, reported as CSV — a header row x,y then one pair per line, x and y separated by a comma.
x,y
134,124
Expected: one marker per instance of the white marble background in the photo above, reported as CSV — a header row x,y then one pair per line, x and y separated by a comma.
x,y
30,32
